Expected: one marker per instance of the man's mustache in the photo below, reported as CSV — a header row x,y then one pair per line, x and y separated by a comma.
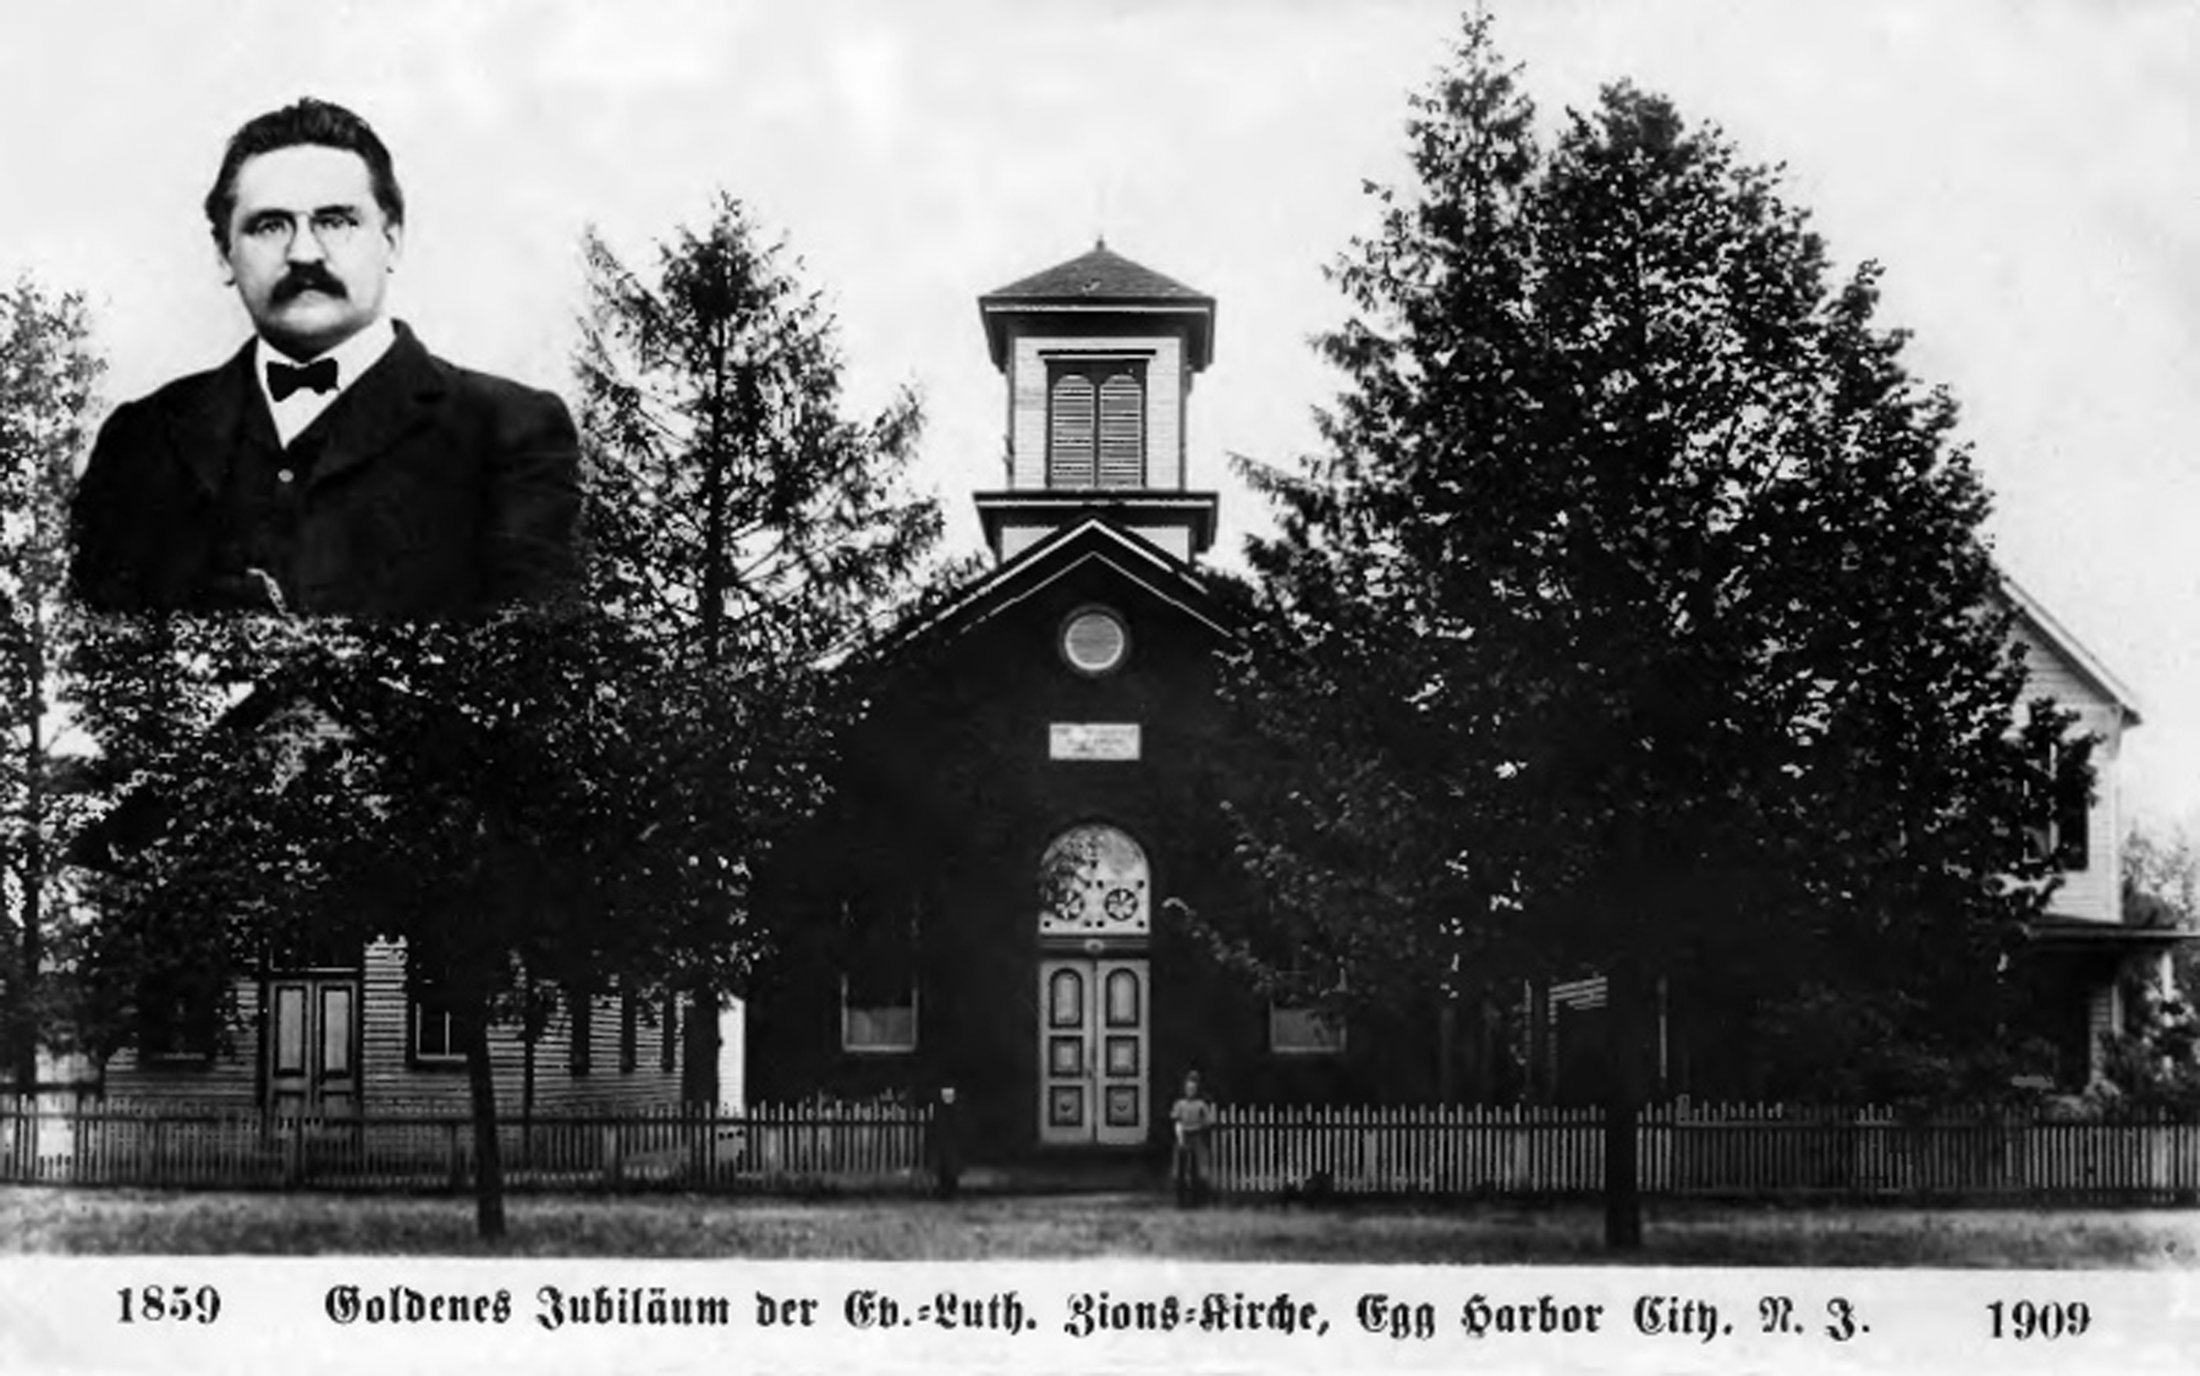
x,y
304,278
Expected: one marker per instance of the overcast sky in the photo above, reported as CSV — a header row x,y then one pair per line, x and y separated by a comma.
x,y
2026,169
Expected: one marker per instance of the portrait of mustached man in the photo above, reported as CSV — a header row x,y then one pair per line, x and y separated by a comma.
x,y
332,465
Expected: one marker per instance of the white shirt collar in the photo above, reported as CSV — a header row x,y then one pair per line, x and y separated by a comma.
x,y
353,357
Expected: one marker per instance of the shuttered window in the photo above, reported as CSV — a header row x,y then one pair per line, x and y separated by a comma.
x,y
1122,431
1096,424
1069,453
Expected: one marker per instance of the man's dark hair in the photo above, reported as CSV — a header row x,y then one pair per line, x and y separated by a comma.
x,y
308,121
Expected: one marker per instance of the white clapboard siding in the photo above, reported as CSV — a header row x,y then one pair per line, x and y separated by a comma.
x,y
392,1076
2092,893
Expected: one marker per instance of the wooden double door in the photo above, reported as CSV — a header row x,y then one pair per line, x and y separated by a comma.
x,y
1095,1051
313,1044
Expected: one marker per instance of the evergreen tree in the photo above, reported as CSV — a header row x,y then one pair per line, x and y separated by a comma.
x,y
737,511
1637,618
740,520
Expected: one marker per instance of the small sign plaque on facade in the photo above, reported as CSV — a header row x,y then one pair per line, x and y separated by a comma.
x,y
1092,740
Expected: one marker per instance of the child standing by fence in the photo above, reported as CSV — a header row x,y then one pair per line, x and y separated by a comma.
x,y
1194,1118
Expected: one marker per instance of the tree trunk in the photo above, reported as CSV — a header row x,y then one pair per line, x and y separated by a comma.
x,y
31,877
1542,1060
527,1103
28,1019
473,1030
531,1035
1623,1109
1447,1052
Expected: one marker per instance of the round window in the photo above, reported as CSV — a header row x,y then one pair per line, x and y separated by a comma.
x,y
1094,641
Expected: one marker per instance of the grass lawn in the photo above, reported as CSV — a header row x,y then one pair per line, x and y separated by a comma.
x,y
1074,1226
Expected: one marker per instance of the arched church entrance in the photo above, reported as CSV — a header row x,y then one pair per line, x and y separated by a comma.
x,y
1095,985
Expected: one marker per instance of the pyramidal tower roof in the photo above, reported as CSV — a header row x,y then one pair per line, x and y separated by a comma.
x,y
1100,281
1099,275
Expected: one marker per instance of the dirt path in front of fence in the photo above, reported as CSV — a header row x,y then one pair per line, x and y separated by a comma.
x,y
65,1220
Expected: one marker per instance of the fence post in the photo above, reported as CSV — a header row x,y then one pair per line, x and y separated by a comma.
x,y
453,1153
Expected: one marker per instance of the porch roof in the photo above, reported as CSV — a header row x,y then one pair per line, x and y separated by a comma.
x,y
2081,934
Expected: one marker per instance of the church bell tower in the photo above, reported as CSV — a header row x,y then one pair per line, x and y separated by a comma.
x,y
1099,354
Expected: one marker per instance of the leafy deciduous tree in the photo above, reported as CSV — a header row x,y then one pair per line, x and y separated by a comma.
x,y
47,372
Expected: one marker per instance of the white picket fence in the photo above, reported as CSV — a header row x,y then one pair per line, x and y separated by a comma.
x,y
787,1147
1719,1150
1423,1151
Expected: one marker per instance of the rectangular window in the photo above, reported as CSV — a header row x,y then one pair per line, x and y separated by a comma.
x,y
1298,1031
668,1048
434,1030
878,983
629,1034
2065,838
1096,423
878,1020
579,1010
2073,817
177,1022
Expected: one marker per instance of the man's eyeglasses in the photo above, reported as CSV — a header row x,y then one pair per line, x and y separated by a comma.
x,y
331,228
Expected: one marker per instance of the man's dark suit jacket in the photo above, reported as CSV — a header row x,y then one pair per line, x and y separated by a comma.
x,y
431,492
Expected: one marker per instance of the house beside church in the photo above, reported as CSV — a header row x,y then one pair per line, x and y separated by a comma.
x,y
346,1032
2083,953
338,1030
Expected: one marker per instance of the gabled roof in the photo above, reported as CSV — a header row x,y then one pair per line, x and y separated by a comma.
x,y
1100,280
2063,643
1074,547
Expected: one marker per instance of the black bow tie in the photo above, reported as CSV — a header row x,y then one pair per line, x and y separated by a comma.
x,y
283,379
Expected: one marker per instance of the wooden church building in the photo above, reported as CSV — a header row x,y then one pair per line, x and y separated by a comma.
x,y
1032,803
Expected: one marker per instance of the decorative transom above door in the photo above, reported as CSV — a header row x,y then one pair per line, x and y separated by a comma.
x,y
1093,882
